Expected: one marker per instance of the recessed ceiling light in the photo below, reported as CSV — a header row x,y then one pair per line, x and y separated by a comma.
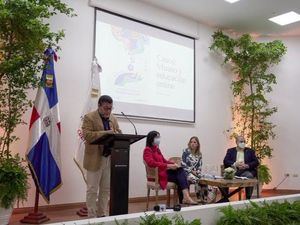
x,y
232,1
286,18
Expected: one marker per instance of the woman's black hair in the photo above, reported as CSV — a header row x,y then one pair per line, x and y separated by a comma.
x,y
150,138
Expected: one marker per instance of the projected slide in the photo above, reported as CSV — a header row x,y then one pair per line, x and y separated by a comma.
x,y
148,71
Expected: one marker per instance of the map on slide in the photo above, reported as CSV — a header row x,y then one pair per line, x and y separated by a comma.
x,y
134,43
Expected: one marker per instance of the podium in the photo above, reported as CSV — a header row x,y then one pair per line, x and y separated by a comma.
x,y
119,178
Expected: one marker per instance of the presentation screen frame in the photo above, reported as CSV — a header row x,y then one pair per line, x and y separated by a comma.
x,y
166,30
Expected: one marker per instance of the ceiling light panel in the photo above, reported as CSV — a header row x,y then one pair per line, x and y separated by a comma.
x,y
286,18
232,1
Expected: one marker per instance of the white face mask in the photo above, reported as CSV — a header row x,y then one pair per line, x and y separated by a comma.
x,y
156,141
241,145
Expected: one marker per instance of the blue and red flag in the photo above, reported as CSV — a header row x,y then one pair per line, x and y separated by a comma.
x,y
43,153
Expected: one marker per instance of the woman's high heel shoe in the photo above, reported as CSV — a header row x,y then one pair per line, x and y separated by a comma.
x,y
189,202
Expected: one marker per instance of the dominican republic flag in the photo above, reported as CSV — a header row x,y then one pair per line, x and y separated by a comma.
x,y
43,154
90,105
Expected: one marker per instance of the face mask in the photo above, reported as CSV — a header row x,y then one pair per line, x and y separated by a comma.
x,y
241,145
156,141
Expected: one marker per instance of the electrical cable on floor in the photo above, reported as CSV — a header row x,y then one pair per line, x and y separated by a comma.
x,y
285,177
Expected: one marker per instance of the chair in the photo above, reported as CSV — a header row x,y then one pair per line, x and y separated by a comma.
x,y
153,184
178,161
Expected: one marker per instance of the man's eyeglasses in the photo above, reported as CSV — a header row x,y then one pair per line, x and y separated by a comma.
x,y
107,108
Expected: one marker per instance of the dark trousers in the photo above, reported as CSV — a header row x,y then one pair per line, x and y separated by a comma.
x,y
179,178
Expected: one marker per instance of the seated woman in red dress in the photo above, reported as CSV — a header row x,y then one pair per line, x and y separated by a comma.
x,y
167,171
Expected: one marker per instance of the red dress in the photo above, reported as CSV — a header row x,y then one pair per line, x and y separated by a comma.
x,y
154,158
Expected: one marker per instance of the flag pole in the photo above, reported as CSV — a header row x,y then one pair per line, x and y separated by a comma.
x,y
82,212
36,203
43,158
94,94
35,217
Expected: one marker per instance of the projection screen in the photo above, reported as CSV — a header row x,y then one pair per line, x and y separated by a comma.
x,y
148,71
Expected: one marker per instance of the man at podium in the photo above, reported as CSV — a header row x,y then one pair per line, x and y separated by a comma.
x,y
97,157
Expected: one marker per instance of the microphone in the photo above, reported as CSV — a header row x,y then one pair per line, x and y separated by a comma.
x,y
130,122
162,208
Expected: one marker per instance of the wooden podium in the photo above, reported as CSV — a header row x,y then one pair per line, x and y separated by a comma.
x,y
119,180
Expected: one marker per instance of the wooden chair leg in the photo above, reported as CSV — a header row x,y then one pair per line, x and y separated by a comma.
x,y
148,195
257,189
240,195
175,197
168,197
156,197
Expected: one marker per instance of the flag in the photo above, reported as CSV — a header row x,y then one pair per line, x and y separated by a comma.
x,y
43,153
90,105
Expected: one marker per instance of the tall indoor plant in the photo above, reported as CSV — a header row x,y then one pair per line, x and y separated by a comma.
x,y
250,62
24,35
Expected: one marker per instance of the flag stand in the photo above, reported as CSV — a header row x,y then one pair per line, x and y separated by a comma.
x,y
35,217
82,212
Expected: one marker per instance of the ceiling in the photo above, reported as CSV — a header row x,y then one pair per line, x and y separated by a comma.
x,y
249,16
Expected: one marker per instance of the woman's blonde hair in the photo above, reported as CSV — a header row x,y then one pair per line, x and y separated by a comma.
x,y
197,152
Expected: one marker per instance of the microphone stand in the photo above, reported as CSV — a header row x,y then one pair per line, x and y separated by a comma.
x,y
130,122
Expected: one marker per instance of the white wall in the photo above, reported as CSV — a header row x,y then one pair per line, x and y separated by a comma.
x,y
73,72
286,97
212,101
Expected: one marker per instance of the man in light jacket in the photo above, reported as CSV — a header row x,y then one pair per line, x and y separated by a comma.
x,y
97,157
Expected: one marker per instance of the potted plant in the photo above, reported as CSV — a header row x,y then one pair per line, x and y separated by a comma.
x,y
24,35
13,185
264,174
229,173
251,110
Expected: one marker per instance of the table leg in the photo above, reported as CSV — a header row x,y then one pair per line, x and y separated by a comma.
x,y
226,196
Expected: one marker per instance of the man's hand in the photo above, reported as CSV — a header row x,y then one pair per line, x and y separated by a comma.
x,y
242,166
245,166
237,164
110,131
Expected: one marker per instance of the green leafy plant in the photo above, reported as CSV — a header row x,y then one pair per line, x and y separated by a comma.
x,y
264,174
24,35
13,181
274,213
179,220
152,219
250,62
232,217
229,173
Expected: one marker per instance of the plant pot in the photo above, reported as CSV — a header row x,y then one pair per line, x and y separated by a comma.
x,y
229,173
5,215
254,194
228,177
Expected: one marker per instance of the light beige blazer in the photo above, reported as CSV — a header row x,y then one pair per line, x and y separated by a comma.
x,y
92,128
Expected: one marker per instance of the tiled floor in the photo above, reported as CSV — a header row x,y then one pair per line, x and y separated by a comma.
x,y
69,213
